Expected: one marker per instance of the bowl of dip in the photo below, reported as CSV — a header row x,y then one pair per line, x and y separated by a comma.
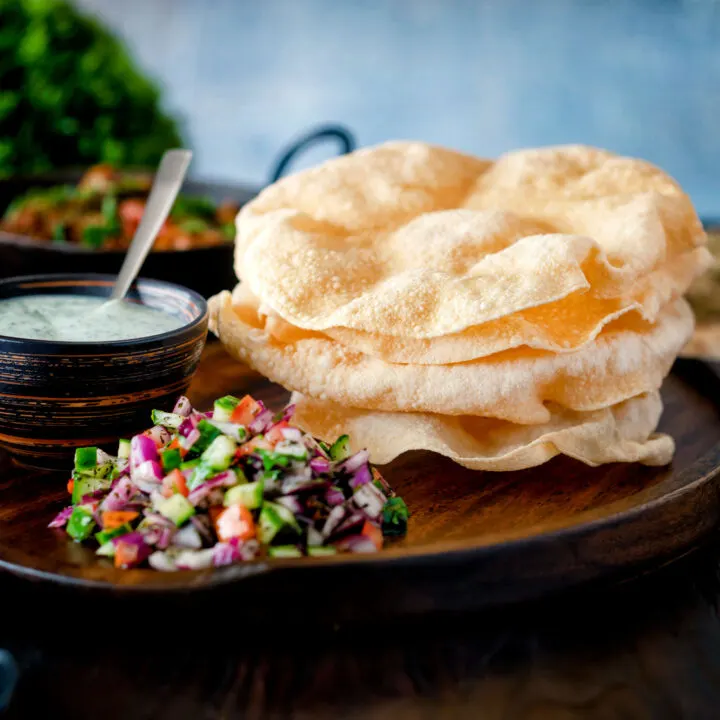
x,y
75,371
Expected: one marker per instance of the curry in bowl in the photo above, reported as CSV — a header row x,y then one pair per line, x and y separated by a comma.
x,y
103,210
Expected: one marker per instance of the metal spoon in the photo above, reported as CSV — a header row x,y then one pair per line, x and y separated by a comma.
x,y
168,181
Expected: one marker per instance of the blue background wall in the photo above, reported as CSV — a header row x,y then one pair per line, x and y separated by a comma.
x,y
484,76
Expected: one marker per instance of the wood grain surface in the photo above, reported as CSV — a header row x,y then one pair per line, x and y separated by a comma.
x,y
645,649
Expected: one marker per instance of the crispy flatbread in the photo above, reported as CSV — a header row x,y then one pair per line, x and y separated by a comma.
x,y
513,385
621,433
414,241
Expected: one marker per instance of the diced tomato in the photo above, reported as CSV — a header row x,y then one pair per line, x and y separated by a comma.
x,y
175,445
274,435
112,519
374,533
245,411
235,522
174,482
251,446
70,485
125,554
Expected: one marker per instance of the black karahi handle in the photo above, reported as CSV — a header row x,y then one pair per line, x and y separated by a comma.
x,y
344,137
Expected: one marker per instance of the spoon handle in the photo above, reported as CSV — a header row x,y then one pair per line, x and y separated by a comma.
x,y
168,181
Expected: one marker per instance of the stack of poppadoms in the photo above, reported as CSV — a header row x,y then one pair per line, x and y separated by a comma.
x,y
496,312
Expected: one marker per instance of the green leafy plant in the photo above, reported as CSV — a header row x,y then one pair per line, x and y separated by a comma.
x,y
71,95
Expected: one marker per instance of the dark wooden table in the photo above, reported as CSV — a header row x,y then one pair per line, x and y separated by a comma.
x,y
647,649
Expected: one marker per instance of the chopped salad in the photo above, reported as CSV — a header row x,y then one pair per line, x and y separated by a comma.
x,y
200,490
104,210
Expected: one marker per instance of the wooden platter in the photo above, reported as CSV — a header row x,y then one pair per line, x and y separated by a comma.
x,y
475,539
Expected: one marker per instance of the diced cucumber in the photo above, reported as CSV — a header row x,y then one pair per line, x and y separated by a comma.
x,y
287,516
223,408
294,450
86,484
273,460
189,464
170,459
340,449
81,523
106,550
201,473
273,519
123,449
269,523
248,494
319,550
175,508
86,459
105,536
220,453
208,432
169,420
284,551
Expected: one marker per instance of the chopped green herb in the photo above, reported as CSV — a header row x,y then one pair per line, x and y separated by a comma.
x,y
395,516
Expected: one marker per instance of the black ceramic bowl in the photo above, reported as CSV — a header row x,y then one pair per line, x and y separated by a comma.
x,y
206,270
57,396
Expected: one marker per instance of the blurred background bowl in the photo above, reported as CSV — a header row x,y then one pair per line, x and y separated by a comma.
x,y
57,396
206,270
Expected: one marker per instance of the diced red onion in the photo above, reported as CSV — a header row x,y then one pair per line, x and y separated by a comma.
x,y
192,437
355,461
320,465
335,496
300,479
182,406
312,486
60,520
261,422
154,518
361,476
158,530
188,537
356,544
291,503
142,449
159,435
224,554
248,549
195,559
165,538
224,479
147,476
336,516
202,525
350,525
370,500
292,434
162,561
120,496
